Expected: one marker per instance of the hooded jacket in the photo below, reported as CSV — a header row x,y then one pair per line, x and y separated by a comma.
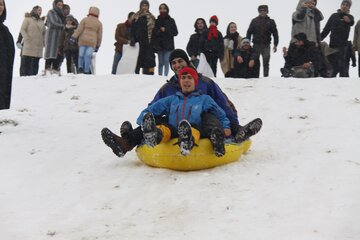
x,y
33,32
205,86
90,30
307,21
178,107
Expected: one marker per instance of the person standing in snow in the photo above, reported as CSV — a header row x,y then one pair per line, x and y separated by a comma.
x,y
193,47
338,26
122,36
142,28
55,23
33,32
261,28
7,54
130,137
70,51
213,46
89,37
163,38
306,19
356,43
232,41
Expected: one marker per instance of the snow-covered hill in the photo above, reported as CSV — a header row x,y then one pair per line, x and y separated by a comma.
x,y
299,180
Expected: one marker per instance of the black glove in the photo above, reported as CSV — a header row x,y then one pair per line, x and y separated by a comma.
x,y
96,49
354,64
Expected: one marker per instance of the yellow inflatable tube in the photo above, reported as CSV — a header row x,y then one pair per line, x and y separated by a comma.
x,y
167,155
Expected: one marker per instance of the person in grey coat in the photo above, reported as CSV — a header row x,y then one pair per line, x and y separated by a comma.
x,y
306,19
7,53
55,24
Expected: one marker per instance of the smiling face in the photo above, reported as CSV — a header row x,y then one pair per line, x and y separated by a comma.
x,y
177,64
232,28
187,83
1,7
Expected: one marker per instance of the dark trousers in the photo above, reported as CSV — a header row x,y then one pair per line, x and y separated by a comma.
x,y
72,56
30,66
359,63
51,63
264,51
337,61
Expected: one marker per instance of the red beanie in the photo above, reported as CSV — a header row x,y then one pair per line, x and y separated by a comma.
x,y
192,72
214,19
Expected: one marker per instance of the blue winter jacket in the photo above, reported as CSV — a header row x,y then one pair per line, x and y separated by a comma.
x,y
205,86
178,107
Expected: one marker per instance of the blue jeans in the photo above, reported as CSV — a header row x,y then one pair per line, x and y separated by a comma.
x,y
163,62
117,57
85,55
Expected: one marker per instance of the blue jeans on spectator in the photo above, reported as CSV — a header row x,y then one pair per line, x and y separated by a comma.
x,y
85,55
163,62
117,57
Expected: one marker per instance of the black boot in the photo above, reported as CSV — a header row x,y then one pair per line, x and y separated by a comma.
x,y
119,145
186,140
252,127
217,139
152,135
125,129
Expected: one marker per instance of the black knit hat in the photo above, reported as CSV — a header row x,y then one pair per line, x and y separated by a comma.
x,y
179,53
144,2
301,37
263,7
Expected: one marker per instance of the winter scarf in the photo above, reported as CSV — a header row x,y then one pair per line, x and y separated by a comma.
x,y
150,21
233,36
213,33
162,19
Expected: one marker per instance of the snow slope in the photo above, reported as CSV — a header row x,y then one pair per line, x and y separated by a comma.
x,y
298,181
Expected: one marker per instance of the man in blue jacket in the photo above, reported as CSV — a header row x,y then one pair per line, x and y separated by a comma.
x,y
178,60
184,110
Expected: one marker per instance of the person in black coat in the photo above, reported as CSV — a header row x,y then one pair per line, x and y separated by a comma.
x,y
213,46
7,54
142,28
163,38
303,59
339,25
246,62
193,47
261,28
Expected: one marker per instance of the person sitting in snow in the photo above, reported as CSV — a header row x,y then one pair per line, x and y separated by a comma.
x,y
303,59
246,62
184,110
178,60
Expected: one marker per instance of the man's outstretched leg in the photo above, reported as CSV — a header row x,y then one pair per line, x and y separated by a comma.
x,y
248,130
119,145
